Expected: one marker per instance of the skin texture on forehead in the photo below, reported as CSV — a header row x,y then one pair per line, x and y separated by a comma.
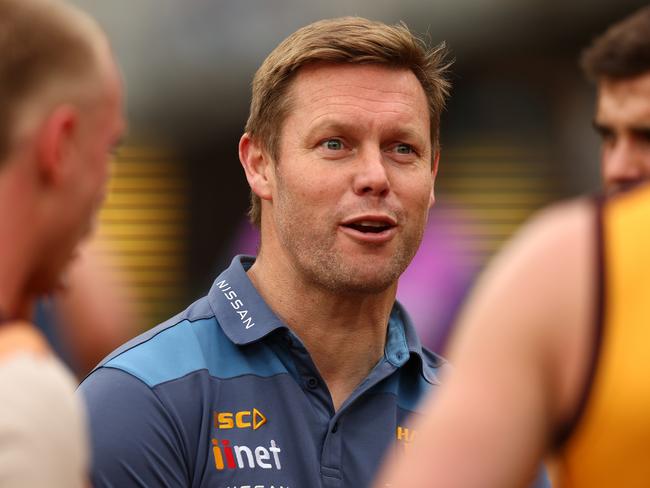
x,y
625,101
314,86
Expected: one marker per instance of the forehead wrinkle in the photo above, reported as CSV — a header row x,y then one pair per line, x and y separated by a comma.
x,y
406,97
369,106
351,101
321,99
353,86
633,110
625,93
333,117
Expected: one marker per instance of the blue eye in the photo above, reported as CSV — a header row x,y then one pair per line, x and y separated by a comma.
x,y
333,144
403,149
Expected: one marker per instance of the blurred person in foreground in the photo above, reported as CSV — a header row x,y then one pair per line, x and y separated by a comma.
x,y
94,313
298,368
559,324
60,115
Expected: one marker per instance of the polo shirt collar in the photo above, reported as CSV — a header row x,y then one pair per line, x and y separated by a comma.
x,y
245,318
403,344
240,310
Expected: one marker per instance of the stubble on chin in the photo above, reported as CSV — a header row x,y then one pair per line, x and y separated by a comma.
x,y
316,258
330,269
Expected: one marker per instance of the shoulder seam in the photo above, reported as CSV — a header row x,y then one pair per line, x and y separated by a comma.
x,y
104,364
160,332
152,387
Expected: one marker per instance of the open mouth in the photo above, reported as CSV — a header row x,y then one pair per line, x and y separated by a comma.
x,y
370,226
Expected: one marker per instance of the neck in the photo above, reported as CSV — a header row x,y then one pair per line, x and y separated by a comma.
x,y
344,332
16,248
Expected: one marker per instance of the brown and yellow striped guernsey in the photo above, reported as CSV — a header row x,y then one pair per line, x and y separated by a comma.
x,y
610,444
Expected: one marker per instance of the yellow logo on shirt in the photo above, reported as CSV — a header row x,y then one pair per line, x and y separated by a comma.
x,y
244,419
404,437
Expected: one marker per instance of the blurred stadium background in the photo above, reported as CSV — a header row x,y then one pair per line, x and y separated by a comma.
x,y
516,135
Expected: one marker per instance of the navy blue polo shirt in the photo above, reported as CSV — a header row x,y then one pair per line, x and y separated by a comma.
x,y
224,395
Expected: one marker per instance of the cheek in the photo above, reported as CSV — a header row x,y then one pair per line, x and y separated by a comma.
x,y
310,191
322,195
104,176
419,206
101,167
97,176
418,191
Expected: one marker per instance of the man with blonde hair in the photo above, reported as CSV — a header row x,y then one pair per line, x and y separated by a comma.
x,y
298,369
60,115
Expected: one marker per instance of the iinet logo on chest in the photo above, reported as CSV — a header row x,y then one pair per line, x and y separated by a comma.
x,y
227,456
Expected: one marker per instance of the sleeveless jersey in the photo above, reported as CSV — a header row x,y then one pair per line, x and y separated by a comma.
x,y
610,446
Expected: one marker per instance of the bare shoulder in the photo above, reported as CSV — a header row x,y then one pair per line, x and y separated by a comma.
x,y
516,359
538,263
534,304
564,224
551,235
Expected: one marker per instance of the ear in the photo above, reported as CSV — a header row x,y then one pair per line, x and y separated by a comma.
x,y
257,166
55,142
434,173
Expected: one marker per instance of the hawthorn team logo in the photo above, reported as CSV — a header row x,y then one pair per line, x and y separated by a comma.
x,y
404,436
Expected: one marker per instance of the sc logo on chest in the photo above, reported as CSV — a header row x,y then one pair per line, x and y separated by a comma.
x,y
244,419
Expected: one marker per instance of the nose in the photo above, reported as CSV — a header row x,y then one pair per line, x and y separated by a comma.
x,y
371,177
623,164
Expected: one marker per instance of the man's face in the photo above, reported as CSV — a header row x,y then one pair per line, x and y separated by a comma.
x,y
101,125
354,176
101,135
623,120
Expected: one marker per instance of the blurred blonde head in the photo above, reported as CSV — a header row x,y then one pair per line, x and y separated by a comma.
x,y
51,53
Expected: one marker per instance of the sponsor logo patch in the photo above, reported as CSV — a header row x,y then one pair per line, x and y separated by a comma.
x,y
236,303
227,456
244,419
404,437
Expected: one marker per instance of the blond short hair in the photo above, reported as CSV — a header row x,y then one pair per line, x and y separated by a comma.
x,y
343,40
42,42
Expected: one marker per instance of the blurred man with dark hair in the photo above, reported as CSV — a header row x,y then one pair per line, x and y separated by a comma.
x,y
619,62
559,324
60,115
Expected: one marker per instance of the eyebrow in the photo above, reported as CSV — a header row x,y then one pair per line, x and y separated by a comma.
x,y
604,129
601,128
337,127
329,124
